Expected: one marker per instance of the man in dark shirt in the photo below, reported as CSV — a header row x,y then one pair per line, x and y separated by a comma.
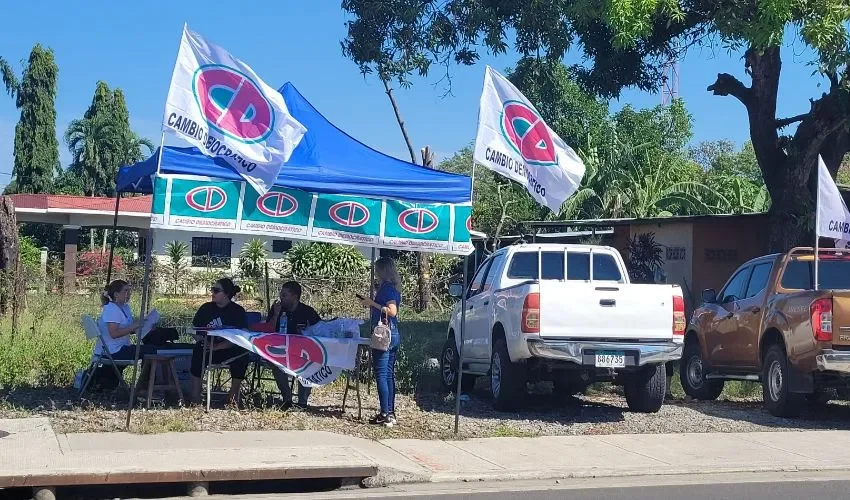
x,y
299,316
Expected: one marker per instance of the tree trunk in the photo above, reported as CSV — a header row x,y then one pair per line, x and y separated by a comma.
x,y
788,164
13,290
424,271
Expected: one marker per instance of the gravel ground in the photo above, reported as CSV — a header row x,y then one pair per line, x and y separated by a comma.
x,y
426,416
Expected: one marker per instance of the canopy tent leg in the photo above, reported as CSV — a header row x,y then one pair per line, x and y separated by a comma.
x,y
114,239
460,342
143,307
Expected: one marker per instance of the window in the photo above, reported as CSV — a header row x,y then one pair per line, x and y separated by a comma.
x,y
280,246
578,266
478,280
524,266
605,268
833,274
758,280
211,252
735,289
495,264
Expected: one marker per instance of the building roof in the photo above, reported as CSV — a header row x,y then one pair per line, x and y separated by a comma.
x,y
634,221
47,203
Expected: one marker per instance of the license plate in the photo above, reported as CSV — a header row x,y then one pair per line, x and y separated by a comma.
x,y
610,360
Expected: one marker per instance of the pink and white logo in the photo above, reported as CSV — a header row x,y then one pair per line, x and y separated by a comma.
x,y
418,220
349,213
276,204
206,198
233,103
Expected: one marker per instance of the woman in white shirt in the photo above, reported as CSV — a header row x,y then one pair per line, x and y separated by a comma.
x,y
116,323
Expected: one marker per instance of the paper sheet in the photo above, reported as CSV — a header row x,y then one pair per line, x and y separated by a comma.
x,y
150,321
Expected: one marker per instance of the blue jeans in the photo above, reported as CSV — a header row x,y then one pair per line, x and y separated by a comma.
x,y
384,365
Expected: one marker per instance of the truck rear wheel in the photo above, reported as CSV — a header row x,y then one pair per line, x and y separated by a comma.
x,y
507,380
449,359
778,400
692,374
645,389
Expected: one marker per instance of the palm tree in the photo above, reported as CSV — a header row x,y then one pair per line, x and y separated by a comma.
x,y
131,148
92,143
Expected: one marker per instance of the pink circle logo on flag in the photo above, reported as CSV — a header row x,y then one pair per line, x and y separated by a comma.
x,y
469,223
277,204
349,213
206,198
528,134
418,220
233,104
296,352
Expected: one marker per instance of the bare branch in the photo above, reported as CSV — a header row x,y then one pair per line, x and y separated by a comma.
x,y
728,85
784,122
398,118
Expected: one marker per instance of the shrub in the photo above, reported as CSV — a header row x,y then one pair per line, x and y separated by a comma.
x,y
94,262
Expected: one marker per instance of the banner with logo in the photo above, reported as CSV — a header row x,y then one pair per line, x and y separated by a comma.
x,y
313,360
282,212
515,142
417,226
189,203
217,103
210,205
347,219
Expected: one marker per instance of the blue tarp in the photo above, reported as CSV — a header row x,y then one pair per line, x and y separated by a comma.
x,y
326,161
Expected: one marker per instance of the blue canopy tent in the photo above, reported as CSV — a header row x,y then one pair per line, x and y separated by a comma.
x,y
327,161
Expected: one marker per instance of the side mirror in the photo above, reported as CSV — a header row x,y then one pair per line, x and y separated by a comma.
x,y
709,296
456,290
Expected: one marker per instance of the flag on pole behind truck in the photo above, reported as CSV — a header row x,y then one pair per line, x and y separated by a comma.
x,y
515,142
833,218
217,103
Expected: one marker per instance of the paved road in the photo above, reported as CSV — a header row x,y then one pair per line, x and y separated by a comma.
x,y
751,491
750,486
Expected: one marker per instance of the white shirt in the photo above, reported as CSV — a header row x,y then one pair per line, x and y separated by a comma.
x,y
112,313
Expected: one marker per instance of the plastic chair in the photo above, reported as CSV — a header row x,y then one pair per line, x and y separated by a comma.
x,y
93,331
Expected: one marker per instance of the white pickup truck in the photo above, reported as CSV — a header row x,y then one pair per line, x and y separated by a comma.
x,y
567,314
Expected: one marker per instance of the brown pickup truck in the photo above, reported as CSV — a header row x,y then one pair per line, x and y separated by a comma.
x,y
769,324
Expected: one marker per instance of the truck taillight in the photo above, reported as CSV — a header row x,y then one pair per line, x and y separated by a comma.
x,y
821,311
531,313
679,321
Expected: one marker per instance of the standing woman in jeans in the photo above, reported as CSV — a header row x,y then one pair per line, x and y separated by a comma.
x,y
387,302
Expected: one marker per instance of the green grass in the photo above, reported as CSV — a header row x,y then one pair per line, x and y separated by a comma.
x,y
50,346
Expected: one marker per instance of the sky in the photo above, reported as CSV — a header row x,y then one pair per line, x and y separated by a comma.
x,y
133,45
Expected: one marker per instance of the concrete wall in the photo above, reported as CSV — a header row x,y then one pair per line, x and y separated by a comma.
x,y
678,242
722,245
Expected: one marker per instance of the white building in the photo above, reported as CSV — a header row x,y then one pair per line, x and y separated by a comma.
x,y
75,212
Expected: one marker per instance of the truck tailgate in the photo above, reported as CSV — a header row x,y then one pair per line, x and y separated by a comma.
x,y
605,310
841,317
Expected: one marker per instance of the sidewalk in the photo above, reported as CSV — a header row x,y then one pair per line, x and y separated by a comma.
x,y
31,454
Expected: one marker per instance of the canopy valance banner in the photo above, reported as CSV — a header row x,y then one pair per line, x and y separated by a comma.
x,y
190,203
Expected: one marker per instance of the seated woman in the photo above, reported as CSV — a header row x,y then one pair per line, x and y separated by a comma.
x,y
116,324
221,312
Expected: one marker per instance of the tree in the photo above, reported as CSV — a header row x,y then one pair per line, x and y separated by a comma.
x,y
627,44
36,148
386,65
92,142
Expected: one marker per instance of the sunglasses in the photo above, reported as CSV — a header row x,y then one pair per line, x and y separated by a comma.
x,y
215,289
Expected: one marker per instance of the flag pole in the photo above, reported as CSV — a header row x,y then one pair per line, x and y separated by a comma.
x,y
817,227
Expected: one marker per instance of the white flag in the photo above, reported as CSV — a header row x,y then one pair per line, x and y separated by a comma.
x,y
219,104
833,217
515,142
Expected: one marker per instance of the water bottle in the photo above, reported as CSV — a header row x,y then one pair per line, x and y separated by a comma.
x,y
283,324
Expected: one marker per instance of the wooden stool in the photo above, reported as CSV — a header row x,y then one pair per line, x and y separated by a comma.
x,y
171,383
